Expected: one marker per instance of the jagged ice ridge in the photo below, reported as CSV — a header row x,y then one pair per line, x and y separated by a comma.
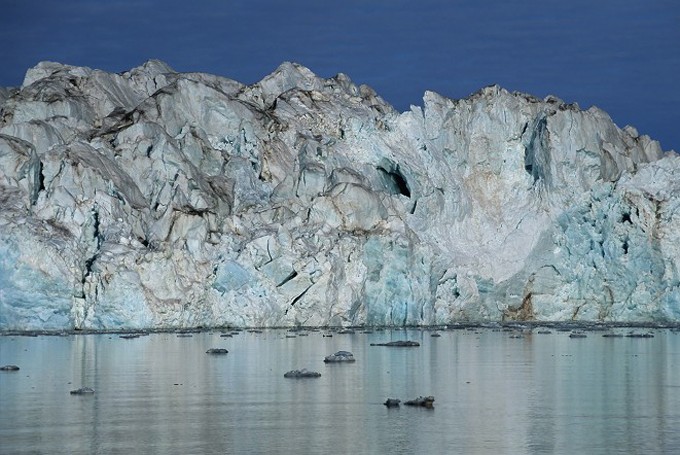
x,y
157,199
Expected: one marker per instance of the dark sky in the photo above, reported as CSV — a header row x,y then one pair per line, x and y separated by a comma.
x,y
623,56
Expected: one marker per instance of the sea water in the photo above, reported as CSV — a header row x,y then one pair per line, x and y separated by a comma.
x,y
495,392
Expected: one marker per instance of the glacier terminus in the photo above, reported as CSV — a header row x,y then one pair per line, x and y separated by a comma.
x,y
157,199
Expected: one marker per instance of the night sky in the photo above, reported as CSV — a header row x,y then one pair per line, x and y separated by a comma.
x,y
623,56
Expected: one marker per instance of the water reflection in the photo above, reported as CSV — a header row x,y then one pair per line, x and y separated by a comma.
x,y
162,394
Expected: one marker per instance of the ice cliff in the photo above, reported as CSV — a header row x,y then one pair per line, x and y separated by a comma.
x,y
153,198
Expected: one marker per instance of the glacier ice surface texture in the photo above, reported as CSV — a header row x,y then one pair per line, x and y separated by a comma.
x,y
152,199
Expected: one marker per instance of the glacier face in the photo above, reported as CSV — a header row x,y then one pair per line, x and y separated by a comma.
x,y
156,199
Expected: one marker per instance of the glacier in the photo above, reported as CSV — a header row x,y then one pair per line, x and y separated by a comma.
x,y
152,199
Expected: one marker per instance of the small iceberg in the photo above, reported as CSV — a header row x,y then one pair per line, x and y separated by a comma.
x,y
340,356
82,391
425,402
392,402
398,344
303,373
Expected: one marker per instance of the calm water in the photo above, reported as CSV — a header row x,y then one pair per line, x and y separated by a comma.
x,y
544,393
